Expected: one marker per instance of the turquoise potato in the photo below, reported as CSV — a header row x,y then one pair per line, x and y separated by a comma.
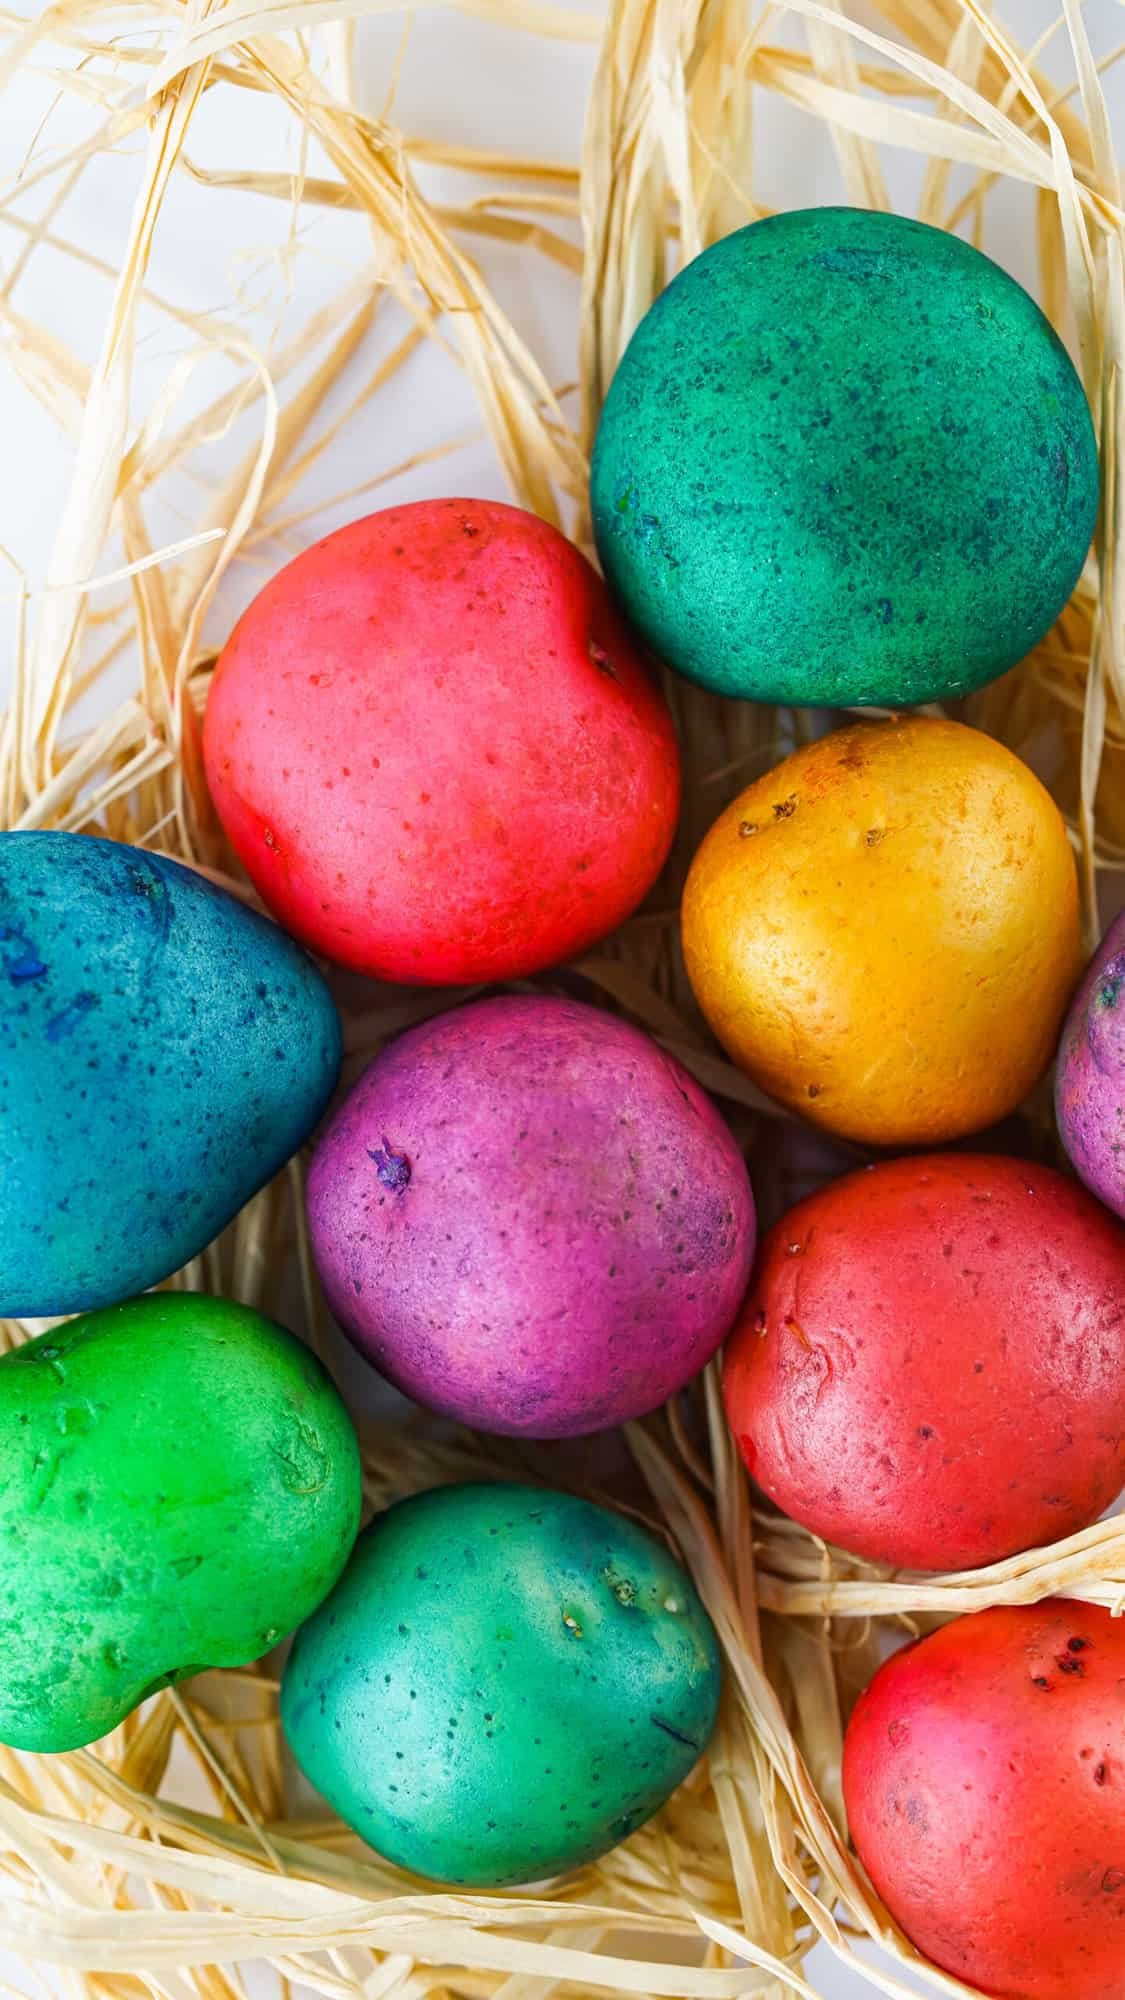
x,y
179,1487
845,460
163,1051
504,1683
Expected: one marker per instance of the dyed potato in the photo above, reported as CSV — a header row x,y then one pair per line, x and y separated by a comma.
x,y
845,459
179,1486
1090,1077
163,1051
504,1683
930,1367
984,1774
884,931
532,1219
437,749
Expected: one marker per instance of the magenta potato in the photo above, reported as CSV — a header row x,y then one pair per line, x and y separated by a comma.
x,y
530,1218
1090,1079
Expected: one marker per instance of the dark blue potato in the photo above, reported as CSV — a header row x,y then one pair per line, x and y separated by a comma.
x,y
163,1051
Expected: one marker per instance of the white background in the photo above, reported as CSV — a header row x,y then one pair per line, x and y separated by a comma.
x,y
444,77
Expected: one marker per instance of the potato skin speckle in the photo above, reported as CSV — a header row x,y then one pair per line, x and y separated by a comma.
x,y
531,1218
984,1778
845,460
929,1369
179,1487
504,1683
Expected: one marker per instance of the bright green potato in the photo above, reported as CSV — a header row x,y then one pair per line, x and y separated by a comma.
x,y
504,1683
179,1486
844,460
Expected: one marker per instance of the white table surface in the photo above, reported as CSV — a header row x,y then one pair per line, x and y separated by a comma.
x,y
460,81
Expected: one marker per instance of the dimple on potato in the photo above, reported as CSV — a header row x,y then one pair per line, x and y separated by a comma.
x,y
438,749
531,1218
929,1369
984,1778
883,931
504,1683
179,1487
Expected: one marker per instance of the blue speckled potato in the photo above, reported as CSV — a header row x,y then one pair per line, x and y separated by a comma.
x,y
504,1683
162,1052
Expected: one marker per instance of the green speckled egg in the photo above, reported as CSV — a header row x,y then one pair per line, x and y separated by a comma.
x,y
504,1683
844,460
179,1487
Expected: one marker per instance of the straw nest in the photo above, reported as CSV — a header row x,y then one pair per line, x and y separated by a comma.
x,y
104,1870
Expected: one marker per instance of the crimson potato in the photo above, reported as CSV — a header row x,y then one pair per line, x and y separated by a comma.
x,y
437,750
929,1369
984,1777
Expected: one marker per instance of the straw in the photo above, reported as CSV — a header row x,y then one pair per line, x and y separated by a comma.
x,y
107,1875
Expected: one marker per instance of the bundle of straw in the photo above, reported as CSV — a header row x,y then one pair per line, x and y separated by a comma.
x,y
104,1871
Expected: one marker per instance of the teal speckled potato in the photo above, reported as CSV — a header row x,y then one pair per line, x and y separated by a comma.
x,y
844,460
503,1684
179,1487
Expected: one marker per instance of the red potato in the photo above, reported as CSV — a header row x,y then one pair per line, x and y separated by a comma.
x,y
930,1366
437,750
984,1777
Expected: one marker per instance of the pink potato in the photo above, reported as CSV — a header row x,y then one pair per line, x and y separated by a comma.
x,y
531,1218
1090,1078
437,749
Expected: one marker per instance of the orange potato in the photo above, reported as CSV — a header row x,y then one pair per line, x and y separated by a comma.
x,y
883,931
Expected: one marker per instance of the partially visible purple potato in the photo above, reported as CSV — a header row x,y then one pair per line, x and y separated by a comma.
x,y
1090,1078
532,1219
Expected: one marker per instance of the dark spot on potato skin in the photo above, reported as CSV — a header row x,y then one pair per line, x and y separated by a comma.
x,y
391,1168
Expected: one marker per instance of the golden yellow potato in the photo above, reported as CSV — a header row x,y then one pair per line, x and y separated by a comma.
x,y
883,931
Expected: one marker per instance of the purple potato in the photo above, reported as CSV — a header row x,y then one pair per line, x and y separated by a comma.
x,y
530,1218
1090,1079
